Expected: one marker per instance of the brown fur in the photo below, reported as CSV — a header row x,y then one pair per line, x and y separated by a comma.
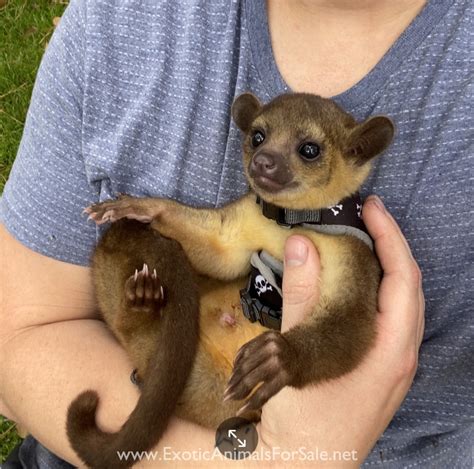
x,y
141,329
218,243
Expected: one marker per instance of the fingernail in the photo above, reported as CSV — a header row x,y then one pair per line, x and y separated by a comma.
x,y
296,252
378,202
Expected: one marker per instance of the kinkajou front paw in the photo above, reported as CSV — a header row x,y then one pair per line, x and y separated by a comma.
x,y
265,359
123,207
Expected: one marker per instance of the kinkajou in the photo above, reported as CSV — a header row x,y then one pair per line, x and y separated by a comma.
x,y
305,160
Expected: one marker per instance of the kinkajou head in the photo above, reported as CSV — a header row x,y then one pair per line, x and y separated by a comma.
x,y
302,151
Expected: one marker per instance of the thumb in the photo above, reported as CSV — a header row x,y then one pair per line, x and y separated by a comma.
x,y
300,280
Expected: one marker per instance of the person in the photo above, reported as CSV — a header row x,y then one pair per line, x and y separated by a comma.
x,y
135,98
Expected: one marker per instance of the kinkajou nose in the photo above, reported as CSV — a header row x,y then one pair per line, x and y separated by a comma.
x,y
263,164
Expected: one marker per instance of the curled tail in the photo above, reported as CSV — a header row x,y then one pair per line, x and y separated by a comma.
x,y
167,371
146,424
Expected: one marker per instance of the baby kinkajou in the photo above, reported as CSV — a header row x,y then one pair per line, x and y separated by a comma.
x,y
305,160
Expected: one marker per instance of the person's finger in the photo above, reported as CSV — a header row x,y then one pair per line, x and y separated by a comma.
x,y
400,298
391,247
421,316
300,280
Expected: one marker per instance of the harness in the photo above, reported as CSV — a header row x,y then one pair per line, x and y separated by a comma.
x,y
262,300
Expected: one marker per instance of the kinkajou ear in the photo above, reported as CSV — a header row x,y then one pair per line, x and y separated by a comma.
x,y
244,110
369,139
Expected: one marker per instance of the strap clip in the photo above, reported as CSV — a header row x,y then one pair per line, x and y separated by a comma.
x,y
254,310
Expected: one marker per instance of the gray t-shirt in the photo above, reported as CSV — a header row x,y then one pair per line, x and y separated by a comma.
x,y
135,97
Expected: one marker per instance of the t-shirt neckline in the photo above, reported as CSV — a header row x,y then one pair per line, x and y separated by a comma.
x,y
366,89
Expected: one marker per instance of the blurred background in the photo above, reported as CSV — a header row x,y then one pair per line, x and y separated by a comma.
x,y
25,29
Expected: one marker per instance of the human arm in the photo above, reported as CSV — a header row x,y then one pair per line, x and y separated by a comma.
x,y
52,337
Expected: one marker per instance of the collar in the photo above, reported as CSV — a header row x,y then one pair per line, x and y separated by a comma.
x,y
341,218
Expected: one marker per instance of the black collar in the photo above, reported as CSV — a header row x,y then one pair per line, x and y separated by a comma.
x,y
347,212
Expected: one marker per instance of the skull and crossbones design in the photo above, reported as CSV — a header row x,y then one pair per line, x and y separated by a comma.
x,y
262,285
336,209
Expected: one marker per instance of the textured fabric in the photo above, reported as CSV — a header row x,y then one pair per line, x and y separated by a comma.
x,y
33,455
135,97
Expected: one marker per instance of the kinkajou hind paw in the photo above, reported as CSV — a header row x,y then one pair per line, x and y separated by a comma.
x,y
144,291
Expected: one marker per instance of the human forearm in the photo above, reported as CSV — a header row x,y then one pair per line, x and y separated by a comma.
x,y
44,368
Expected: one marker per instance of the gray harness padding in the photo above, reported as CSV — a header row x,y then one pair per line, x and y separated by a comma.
x,y
269,265
342,230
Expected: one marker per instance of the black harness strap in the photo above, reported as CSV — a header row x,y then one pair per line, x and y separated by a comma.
x,y
346,212
261,300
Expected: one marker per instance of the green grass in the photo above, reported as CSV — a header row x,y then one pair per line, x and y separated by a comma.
x,y
8,438
25,28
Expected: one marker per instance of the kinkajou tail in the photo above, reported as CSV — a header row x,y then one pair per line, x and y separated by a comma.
x,y
169,368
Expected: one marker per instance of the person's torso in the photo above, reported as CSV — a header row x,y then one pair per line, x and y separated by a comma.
x,y
161,77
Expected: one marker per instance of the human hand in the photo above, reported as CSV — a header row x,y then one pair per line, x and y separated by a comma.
x,y
350,413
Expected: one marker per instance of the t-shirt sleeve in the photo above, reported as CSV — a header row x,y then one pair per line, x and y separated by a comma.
x,y
48,188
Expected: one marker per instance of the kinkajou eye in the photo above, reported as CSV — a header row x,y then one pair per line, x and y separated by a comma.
x,y
258,138
309,150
